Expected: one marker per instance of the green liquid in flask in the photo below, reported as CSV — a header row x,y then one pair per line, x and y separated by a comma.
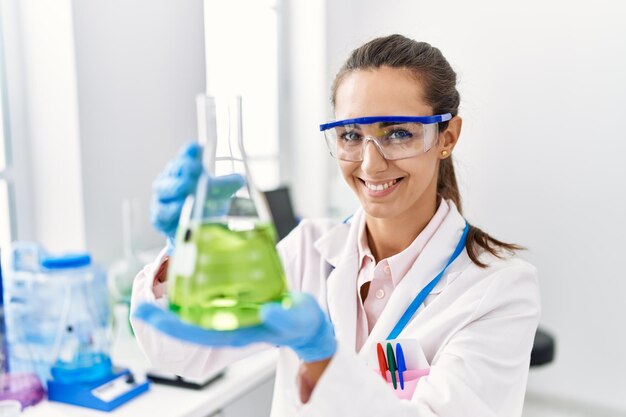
x,y
235,273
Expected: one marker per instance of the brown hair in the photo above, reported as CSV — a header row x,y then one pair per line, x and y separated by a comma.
x,y
428,65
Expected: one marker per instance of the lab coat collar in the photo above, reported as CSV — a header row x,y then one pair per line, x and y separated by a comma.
x,y
334,244
338,247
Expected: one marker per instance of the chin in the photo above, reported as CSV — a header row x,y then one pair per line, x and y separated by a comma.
x,y
379,211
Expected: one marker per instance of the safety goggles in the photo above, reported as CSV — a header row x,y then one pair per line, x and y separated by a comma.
x,y
395,137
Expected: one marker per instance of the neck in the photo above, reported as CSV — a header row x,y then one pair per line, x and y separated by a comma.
x,y
389,236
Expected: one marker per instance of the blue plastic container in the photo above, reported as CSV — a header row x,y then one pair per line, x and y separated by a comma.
x,y
57,314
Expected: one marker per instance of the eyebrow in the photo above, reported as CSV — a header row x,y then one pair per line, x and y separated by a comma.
x,y
359,126
385,124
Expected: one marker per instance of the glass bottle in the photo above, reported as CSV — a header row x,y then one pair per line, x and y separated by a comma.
x,y
122,273
20,386
59,314
225,264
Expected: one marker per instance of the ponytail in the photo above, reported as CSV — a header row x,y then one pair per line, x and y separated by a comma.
x,y
477,240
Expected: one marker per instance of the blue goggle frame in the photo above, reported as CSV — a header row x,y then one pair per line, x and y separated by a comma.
x,y
427,120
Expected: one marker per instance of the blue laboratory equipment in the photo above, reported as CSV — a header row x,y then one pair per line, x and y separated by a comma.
x,y
21,384
60,305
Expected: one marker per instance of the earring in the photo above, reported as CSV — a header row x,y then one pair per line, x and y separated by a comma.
x,y
444,153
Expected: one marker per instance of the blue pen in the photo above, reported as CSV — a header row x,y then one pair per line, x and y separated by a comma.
x,y
401,364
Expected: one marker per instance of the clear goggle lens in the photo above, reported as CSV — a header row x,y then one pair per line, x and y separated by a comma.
x,y
394,137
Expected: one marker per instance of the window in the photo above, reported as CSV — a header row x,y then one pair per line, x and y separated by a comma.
x,y
6,224
241,38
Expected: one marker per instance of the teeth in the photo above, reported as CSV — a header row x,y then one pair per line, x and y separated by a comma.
x,y
380,187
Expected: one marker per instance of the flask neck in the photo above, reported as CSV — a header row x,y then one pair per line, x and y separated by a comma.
x,y
220,132
220,129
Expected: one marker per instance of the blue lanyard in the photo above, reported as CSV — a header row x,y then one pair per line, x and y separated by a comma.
x,y
419,299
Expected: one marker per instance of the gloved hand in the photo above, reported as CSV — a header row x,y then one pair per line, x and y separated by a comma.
x,y
177,181
302,326
171,188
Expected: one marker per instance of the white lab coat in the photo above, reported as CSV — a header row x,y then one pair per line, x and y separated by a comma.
x,y
476,329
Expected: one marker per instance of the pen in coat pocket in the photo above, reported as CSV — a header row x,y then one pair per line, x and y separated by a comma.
x,y
401,364
382,362
392,365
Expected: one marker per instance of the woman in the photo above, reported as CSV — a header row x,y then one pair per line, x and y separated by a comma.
x,y
407,267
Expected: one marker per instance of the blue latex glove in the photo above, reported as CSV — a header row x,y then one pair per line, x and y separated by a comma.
x,y
178,180
303,327
171,188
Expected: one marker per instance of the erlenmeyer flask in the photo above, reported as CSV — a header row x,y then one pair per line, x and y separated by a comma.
x,y
225,264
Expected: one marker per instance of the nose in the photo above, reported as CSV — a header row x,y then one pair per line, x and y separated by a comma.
x,y
373,159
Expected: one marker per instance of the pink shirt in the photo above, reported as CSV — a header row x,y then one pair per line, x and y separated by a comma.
x,y
386,275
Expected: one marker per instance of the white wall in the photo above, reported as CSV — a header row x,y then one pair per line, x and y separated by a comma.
x,y
19,148
543,86
46,124
139,66
109,98
304,105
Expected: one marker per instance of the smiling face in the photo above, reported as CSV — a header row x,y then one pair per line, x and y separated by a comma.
x,y
388,189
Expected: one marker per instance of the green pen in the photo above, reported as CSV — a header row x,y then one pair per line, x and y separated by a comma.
x,y
391,361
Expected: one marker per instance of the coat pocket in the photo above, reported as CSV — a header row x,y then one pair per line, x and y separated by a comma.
x,y
405,390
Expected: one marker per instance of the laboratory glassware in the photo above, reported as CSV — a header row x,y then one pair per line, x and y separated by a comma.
x,y
122,273
60,303
20,387
61,306
225,264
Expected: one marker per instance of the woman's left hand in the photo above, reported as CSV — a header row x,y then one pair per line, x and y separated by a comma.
x,y
302,326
